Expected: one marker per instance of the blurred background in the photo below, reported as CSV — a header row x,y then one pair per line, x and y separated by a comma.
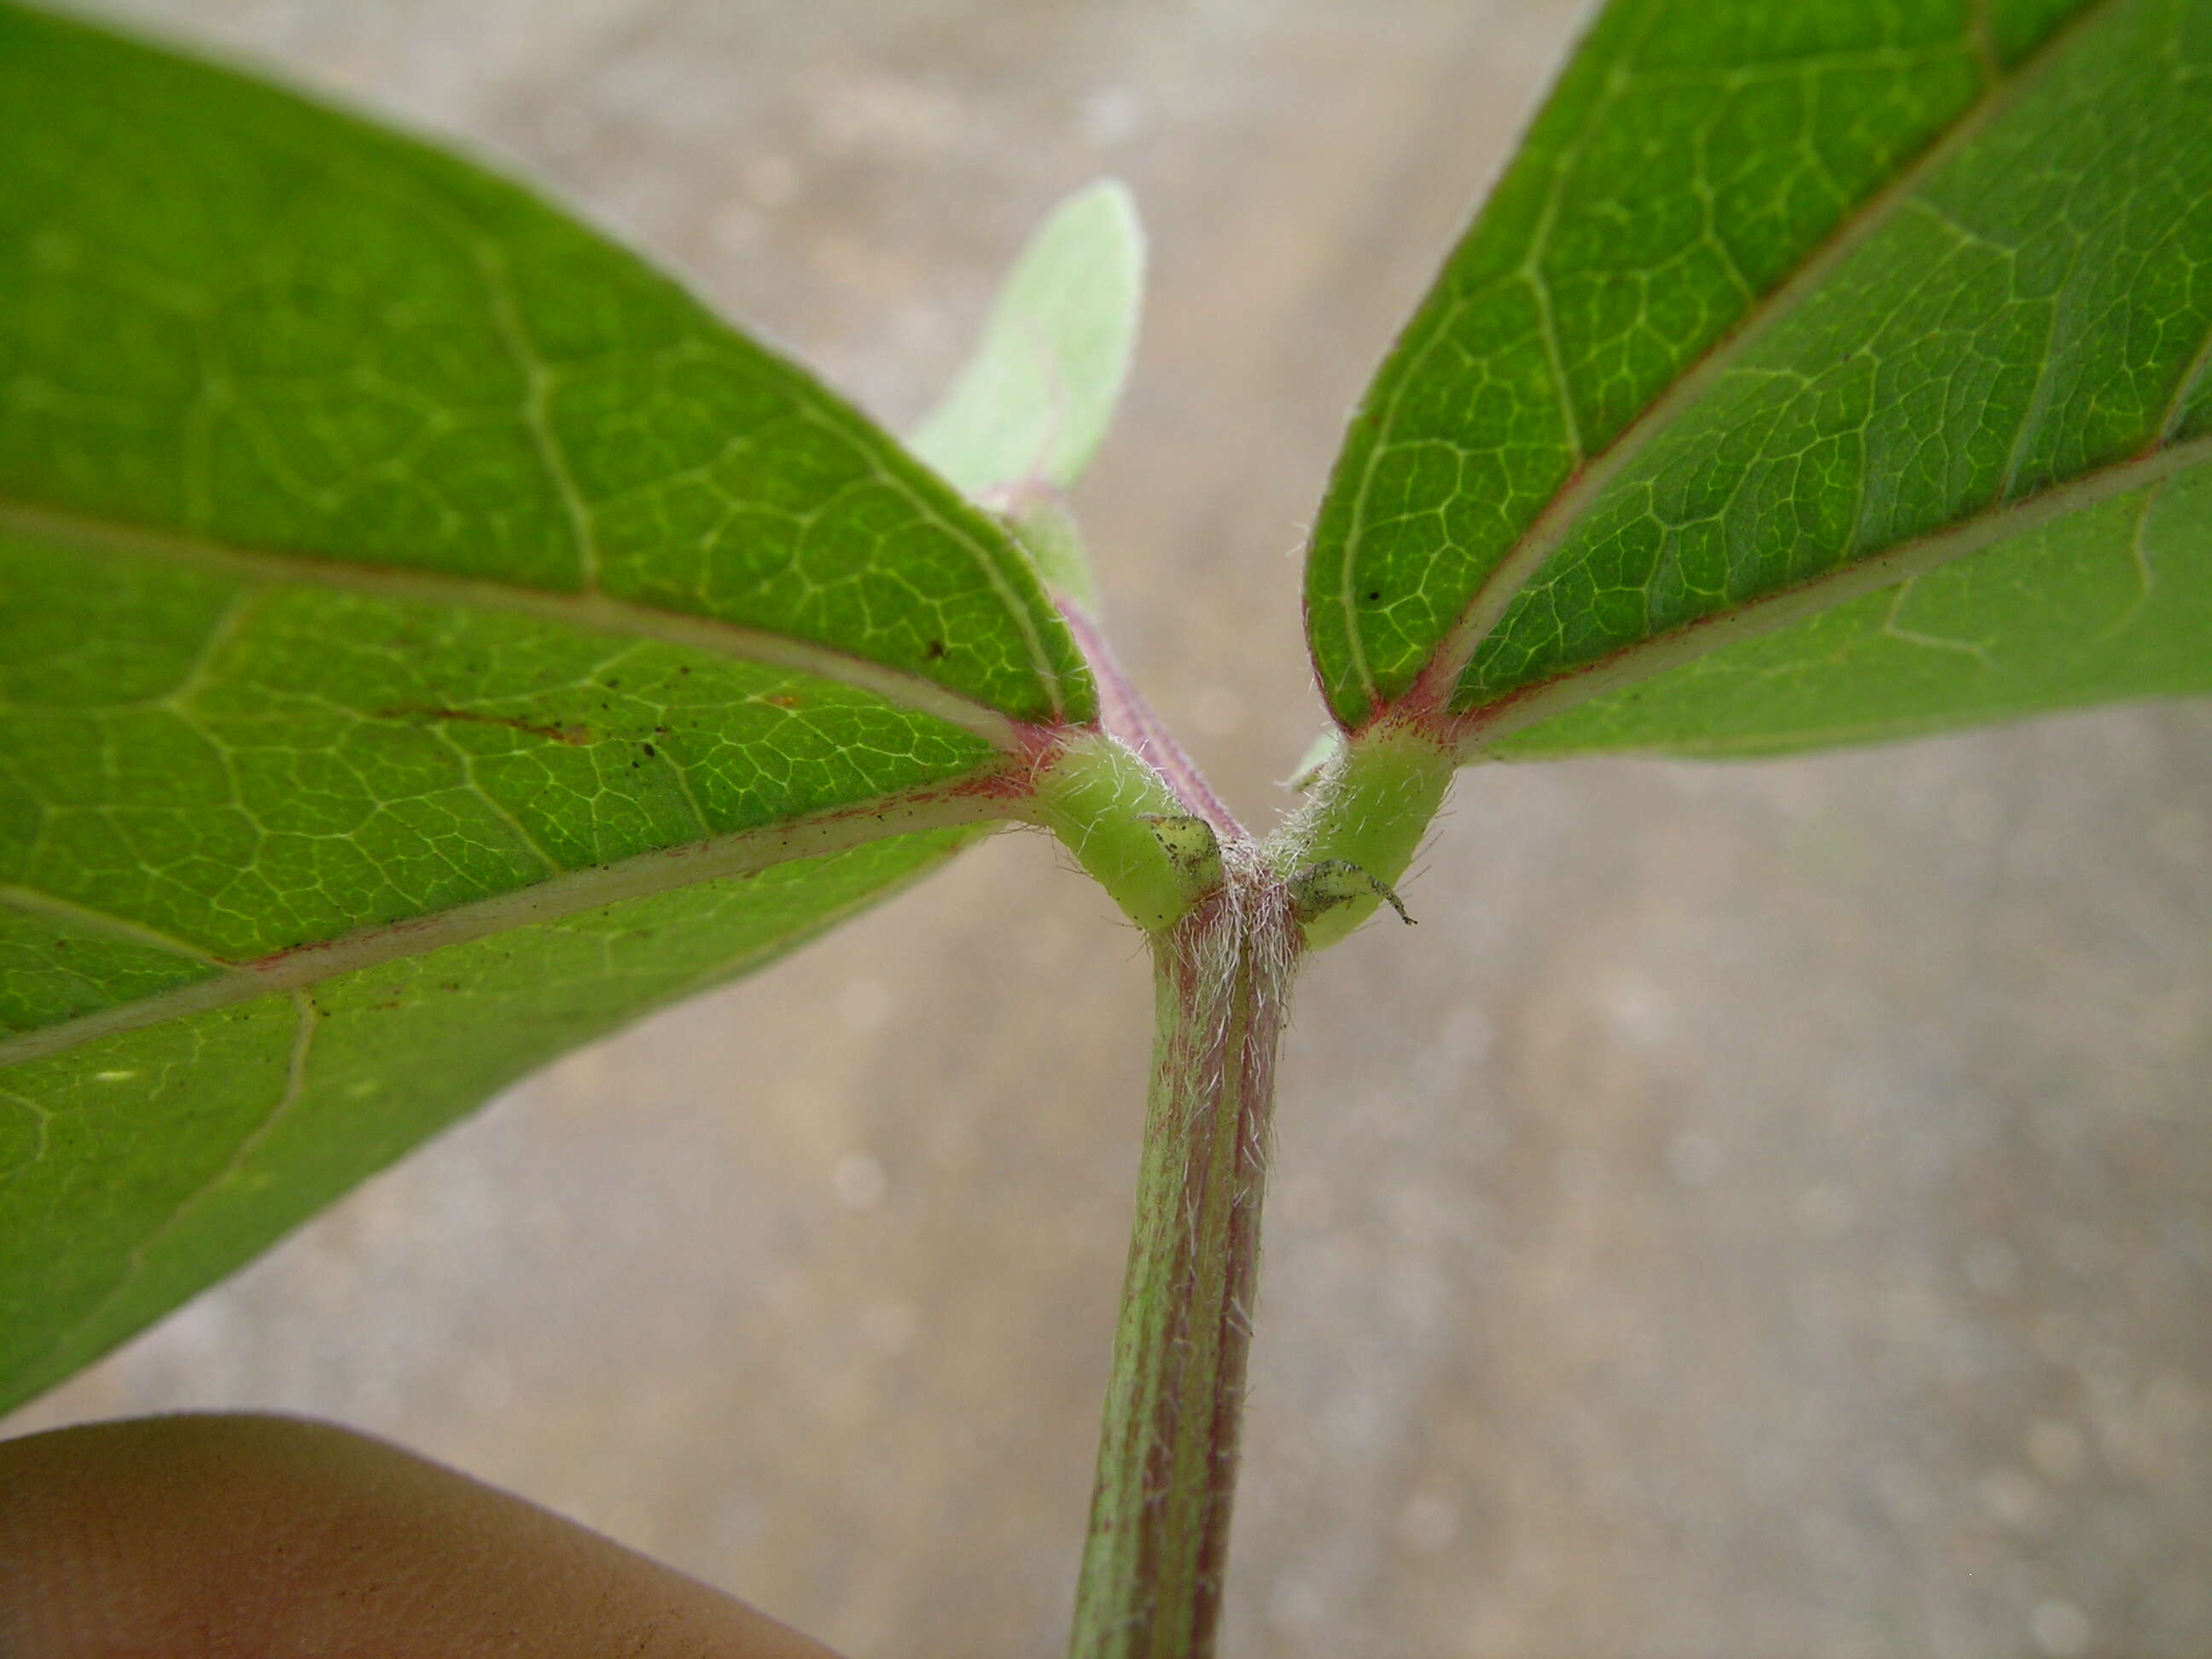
x,y
1761,1210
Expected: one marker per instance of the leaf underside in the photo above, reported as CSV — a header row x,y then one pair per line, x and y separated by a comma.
x,y
1815,373
137,1168
403,592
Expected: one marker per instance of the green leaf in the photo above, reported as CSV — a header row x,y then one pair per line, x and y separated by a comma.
x,y
2113,601
1027,410
240,324
403,592
1902,311
139,1166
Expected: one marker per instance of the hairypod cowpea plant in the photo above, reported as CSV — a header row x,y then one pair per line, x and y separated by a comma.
x,y
429,639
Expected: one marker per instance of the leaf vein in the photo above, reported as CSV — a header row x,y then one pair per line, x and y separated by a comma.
x,y
33,901
536,407
1475,728
295,1083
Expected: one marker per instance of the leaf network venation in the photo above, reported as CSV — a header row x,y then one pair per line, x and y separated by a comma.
x,y
1736,323
428,640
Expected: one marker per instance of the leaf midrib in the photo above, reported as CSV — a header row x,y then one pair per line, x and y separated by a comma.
x,y
643,875
591,609
1433,687
1476,729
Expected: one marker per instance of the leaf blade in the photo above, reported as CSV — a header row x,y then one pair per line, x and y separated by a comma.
x,y
403,592
189,874
140,1166
2028,325
2057,618
289,332
1621,135
290,764
1510,631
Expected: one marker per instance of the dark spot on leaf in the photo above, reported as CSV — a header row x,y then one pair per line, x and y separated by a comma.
x,y
1374,593
934,650
651,753
574,736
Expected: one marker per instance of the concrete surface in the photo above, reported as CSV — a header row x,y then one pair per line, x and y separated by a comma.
x,y
1761,1211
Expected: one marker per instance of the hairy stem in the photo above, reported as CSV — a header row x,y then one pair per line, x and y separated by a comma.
x,y
1153,1566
